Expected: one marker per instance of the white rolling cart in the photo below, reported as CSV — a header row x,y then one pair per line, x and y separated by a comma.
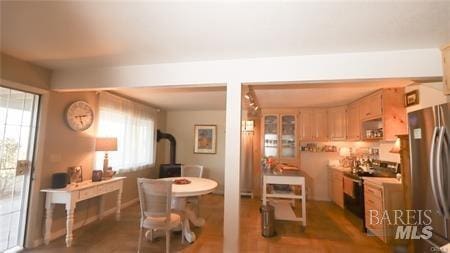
x,y
282,200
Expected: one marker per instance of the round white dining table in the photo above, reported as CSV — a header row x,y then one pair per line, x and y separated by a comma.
x,y
180,192
197,186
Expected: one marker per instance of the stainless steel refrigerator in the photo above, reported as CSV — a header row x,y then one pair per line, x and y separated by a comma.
x,y
429,135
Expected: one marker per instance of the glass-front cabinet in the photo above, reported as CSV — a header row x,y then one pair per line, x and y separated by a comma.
x,y
288,136
279,137
271,135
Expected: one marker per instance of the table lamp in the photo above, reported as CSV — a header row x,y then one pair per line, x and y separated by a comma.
x,y
106,144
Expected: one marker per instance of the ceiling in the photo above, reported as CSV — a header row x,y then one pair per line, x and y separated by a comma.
x,y
78,34
185,98
267,96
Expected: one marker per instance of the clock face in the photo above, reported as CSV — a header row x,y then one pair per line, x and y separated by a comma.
x,y
79,116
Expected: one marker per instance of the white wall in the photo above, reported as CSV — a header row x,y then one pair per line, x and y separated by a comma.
x,y
16,70
430,94
181,125
347,66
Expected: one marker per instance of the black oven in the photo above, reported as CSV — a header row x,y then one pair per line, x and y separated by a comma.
x,y
354,195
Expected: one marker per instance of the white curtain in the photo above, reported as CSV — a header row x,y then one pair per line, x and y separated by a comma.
x,y
133,124
246,162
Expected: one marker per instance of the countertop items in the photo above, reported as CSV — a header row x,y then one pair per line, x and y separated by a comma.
x,y
314,147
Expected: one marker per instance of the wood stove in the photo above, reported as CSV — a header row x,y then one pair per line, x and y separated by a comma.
x,y
172,169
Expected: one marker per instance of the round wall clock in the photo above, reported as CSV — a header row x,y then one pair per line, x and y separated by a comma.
x,y
79,116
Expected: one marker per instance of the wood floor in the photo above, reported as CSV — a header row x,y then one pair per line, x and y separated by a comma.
x,y
329,229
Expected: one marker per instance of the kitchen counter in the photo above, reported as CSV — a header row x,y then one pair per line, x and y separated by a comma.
x,y
290,173
380,181
340,168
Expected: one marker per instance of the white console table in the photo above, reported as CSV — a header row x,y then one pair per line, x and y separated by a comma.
x,y
70,195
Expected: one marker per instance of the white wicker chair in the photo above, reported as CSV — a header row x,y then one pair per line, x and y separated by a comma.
x,y
193,171
156,213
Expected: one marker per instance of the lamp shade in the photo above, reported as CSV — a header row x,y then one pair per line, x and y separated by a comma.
x,y
396,147
344,151
106,144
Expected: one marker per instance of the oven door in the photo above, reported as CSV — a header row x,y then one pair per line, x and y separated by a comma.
x,y
354,196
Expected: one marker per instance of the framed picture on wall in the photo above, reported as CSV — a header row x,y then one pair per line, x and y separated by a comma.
x,y
205,139
412,98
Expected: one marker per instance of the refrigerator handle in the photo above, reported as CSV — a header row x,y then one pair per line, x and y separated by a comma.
x,y
440,186
430,242
433,169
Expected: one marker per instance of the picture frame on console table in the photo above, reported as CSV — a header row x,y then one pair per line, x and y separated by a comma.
x,y
205,139
75,174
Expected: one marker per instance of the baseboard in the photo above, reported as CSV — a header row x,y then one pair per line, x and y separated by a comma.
x,y
62,232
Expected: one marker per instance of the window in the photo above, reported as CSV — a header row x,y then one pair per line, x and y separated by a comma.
x,y
134,127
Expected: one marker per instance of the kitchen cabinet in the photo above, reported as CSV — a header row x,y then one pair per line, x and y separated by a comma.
x,y
382,197
307,124
337,123
371,106
313,124
353,122
383,115
279,136
336,186
446,68
321,124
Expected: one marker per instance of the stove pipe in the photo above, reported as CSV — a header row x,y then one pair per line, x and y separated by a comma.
x,y
173,144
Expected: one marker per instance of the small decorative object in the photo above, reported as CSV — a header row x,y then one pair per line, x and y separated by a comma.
x,y
181,181
22,167
97,175
108,174
59,180
412,98
106,144
205,139
75,174
247,126
79,116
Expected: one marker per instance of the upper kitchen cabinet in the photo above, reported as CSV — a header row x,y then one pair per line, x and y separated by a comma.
x,y
279,135
337,123
446,68
307,124
313,124
270,125
353,122
383,115
371,106
321,124
288,136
